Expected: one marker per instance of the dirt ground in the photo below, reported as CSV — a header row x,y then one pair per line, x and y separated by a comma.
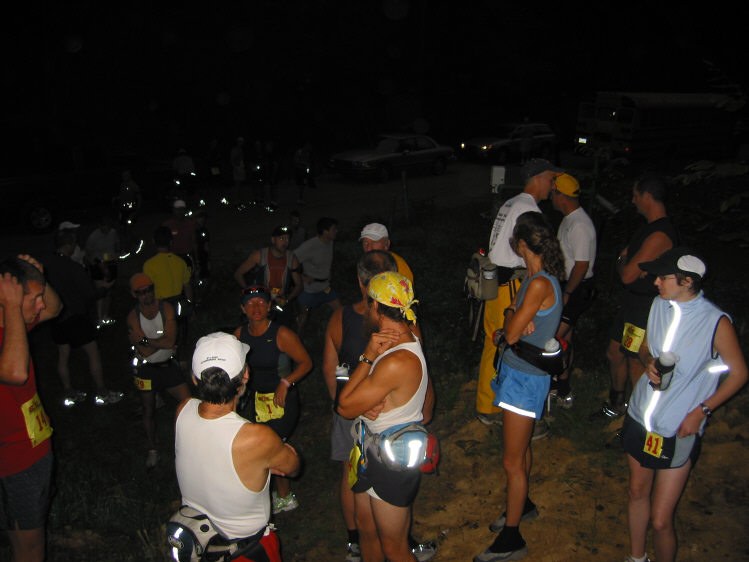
x,y
582,496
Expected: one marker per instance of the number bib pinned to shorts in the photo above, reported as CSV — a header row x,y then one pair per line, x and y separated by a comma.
x,y
653,444
38,427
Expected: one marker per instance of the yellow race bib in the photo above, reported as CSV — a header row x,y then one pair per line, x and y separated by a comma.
x,y
37,420
353,465
265,408
142,384
653,444
632,337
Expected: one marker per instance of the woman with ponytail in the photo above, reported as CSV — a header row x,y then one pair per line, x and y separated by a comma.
x,y
520,386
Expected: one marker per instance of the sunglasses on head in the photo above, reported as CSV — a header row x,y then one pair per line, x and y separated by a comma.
x,y
255,291
144,290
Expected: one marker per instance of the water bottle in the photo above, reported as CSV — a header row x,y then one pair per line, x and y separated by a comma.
x,y
664,364
551,345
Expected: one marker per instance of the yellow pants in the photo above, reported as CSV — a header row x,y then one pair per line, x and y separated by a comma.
x,y
494,319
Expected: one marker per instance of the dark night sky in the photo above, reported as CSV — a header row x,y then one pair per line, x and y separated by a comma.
x,y
152,78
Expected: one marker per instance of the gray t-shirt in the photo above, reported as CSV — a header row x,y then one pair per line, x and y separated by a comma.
x,y
316,258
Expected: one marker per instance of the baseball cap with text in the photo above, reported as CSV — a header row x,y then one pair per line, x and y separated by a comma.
x,y
221,350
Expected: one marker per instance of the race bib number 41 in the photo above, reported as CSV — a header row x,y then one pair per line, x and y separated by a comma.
x,y
37,421
653,444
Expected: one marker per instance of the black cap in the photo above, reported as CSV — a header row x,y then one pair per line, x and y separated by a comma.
x,y
676,260
281,231
536,166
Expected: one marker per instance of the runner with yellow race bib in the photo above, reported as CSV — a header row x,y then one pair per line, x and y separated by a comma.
x,y
277,360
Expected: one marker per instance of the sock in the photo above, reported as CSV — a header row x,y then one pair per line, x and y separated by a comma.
x,y
563,387
509,539
353,536
616,397
529,505
643,559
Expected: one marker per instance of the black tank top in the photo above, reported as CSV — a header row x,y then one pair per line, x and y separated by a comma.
x,y
644,285
354,340
265,359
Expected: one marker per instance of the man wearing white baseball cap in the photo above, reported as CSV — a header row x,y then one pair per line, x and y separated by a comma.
x,y
375,236
224,462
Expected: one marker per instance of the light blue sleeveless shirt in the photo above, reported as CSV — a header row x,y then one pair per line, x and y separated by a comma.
x,y
693,325
546,322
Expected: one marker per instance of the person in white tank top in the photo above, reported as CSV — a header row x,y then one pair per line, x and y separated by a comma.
x,y
223,462
389,386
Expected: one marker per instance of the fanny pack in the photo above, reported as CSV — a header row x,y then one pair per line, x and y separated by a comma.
x,y
403,447
192,538
552,362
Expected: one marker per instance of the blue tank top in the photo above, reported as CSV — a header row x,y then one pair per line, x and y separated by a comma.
x,y
546,322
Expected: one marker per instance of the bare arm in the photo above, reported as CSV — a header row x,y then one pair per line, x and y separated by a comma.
x,y
14,350
576,277
517,321
331,347
289,343
245,266
427,410
653,246
296,278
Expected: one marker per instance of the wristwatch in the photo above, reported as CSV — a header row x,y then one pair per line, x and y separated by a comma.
x,y
363,359
706,409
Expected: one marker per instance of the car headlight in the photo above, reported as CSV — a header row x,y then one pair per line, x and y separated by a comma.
x,y
462,145
486,147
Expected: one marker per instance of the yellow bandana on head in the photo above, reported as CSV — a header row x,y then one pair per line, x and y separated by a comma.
x,y
392,289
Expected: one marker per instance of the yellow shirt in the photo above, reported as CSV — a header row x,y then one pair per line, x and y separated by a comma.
x,y
403,268
169,274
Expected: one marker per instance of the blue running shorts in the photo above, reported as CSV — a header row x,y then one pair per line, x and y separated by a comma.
x,y
520,392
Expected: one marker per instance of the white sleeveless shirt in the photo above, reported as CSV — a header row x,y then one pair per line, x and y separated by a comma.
x,y
153,328
207,477
411,410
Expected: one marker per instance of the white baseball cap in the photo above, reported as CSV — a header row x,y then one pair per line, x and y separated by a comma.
x,y
374,231
222,350
67,225
179,204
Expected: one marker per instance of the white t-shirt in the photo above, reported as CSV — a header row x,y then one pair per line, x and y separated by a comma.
x,y
577,237
500,252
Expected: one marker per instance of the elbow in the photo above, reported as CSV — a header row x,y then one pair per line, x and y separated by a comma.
x,y
15,377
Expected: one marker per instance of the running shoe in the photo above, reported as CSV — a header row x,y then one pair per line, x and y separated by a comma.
x,y
73,397
353,553
108,397
288,503
424,551
489,419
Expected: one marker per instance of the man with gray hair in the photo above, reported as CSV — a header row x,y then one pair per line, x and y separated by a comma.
x,y
375,236
223,462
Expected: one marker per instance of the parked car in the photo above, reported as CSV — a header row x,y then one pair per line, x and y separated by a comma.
x,y
393,153
510,142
